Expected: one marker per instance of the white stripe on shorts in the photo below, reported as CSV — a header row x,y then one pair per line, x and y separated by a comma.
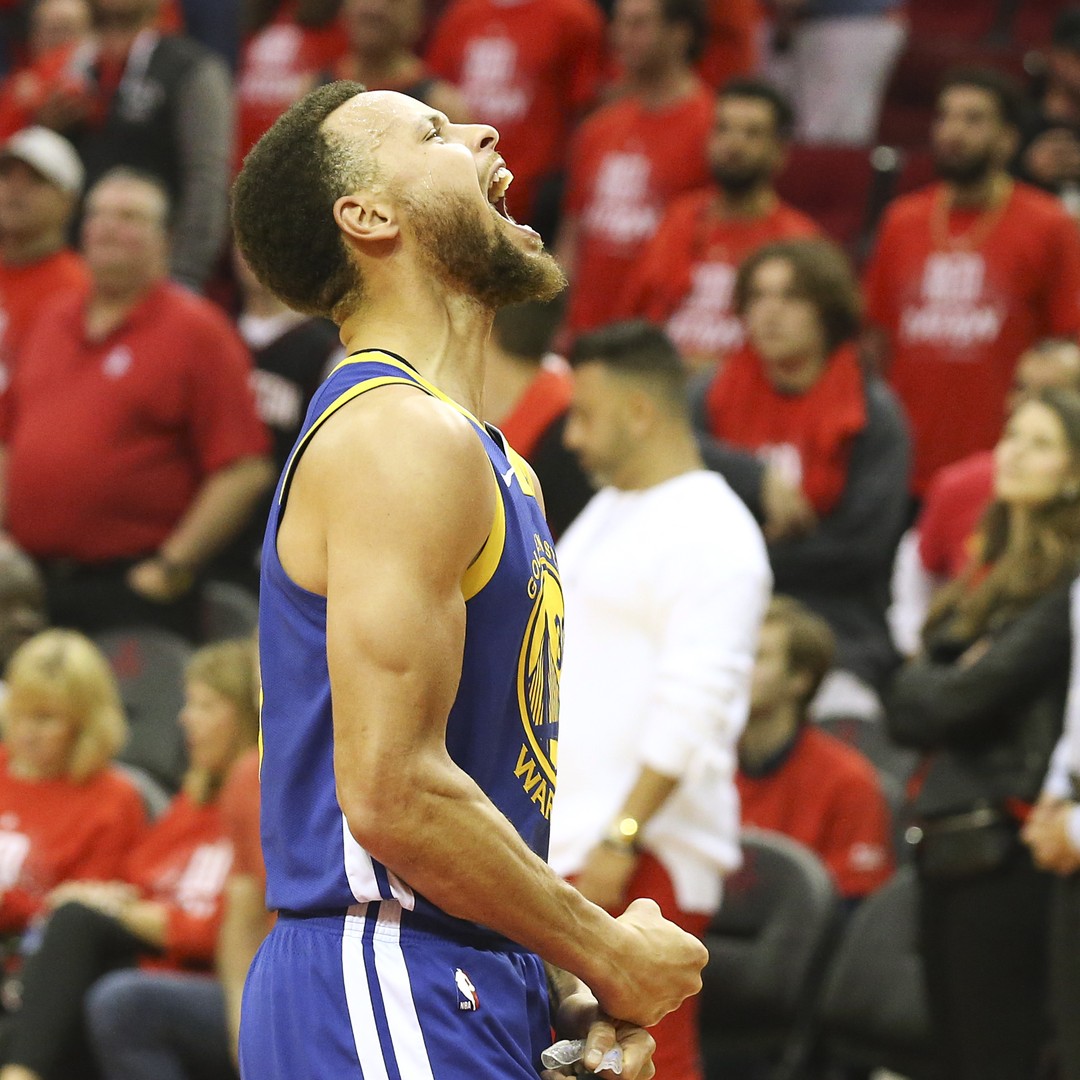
x,y
360,873
395,987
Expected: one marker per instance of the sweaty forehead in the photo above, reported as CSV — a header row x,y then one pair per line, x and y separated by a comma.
x,y
374,115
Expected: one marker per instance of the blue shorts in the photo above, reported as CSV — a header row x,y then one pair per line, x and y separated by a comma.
x,y
365,996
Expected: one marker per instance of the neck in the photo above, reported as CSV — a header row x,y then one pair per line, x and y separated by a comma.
x,y
443,334
111,303
671,451
22,250
983,194
752,204
766,735
662,86
1020,526
381,68
505,381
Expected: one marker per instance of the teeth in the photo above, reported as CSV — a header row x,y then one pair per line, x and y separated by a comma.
x,y
500,181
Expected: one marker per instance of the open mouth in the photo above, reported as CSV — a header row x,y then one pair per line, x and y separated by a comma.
x,y
500,181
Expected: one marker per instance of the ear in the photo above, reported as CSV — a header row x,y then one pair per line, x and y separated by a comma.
x,y
366,217
799,681
640,410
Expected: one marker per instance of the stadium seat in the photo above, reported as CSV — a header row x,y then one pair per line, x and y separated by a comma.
x,y
871,739
228,611
872,1011
149,666
766,947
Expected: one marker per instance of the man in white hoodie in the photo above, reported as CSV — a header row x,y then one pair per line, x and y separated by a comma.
x,y
666,579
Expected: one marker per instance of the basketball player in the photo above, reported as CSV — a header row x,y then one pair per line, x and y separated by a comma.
x,y
411,638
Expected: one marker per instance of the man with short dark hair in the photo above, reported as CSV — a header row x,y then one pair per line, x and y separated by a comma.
x,y
132,448
795,778
630,159
666,580
411,638
685,280
967,274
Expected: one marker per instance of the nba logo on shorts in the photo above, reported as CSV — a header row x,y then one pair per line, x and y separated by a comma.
x,y
468,1001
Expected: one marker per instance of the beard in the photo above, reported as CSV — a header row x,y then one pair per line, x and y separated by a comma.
x,y
738,180
964,171
463,250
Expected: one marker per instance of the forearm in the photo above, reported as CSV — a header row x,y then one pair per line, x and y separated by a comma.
x,y
650,791
218,512
147,920
242,931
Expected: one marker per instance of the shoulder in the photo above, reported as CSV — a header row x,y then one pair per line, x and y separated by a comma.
x,y
795,223
975,472
836,760
1036,205
607,119
201,319
883,408
684,209
713,521
911,208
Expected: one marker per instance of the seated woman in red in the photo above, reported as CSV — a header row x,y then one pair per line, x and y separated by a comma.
x,y
65,813
164,909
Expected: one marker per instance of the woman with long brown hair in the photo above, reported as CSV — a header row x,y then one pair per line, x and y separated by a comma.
x,y
985,701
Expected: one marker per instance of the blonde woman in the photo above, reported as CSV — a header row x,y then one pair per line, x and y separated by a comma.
x,y
65,812
165,908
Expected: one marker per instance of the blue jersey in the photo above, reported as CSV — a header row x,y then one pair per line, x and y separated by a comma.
x,y
502,729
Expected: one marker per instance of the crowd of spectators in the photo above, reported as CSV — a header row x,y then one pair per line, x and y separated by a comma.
x,y
896,405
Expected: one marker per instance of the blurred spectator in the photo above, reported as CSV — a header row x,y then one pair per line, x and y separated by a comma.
x,y
293,354
827,447
527,392
215,24
985,700
67,814
382,35
1059,96
164,911
60,43
40,181
287,44
630,159
685,280
1050,159
531,68
133,449
834,59
731,47
941,543
170,1025
666,582
1053,835
157,102
795,778
22,602
967,274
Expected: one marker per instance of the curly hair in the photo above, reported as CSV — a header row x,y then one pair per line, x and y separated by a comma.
x,y
283,202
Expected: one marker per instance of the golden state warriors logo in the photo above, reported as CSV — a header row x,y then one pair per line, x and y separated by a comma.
x,y
538,679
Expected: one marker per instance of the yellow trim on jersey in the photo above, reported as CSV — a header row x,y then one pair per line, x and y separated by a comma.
x,y
482,568
344,399
522,471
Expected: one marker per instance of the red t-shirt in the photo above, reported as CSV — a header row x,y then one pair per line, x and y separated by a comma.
x,y
57,830
954,504
278,65
826,795
109,441
58,72
685,280
807,436
959,310
530,69
627,164
183,863
23,292
545,399
731,48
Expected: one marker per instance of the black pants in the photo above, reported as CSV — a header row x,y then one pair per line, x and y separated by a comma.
x,y
983,942
48,1033
94,599
1065,973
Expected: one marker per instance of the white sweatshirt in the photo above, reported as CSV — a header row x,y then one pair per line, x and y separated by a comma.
x,y
665,590
1065,762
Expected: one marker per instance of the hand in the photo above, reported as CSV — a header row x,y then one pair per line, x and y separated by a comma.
x,y
652,968
108,897
974,653
579,1017
155,579
1047,835
605,877
63,109
788,512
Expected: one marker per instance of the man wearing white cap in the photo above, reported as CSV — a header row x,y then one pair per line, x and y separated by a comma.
x,y
41,177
